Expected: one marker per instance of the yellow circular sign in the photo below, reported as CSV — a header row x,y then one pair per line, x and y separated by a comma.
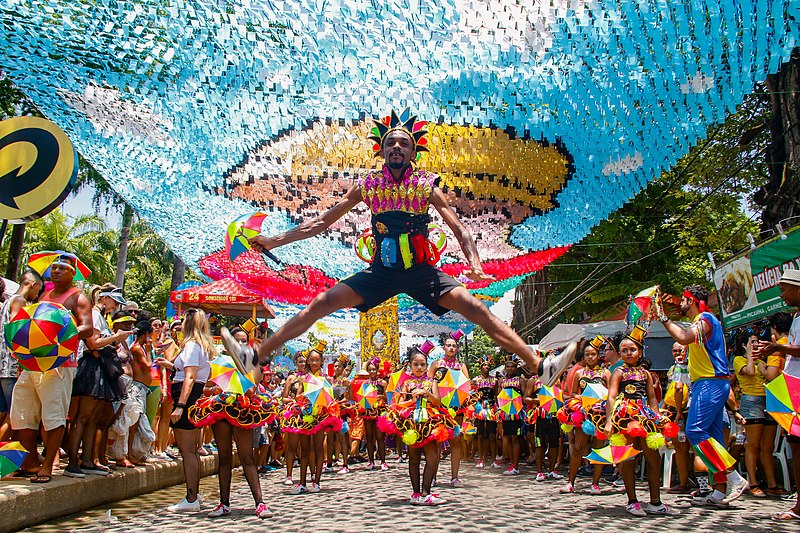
x,y
38,167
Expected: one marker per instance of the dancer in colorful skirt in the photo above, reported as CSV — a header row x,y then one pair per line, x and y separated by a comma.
x,y
439,370
419,418
586,424
510,388
708,371
542,432
339,441
291,439
311,416
633,419
233,416
485,414
373,435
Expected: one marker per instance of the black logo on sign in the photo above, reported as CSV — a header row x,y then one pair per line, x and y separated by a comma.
x,y
13,184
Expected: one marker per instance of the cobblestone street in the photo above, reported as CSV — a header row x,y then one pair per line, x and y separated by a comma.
x,y
377,501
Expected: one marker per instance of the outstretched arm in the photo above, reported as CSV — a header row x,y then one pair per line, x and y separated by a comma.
x,y
462,234
310,227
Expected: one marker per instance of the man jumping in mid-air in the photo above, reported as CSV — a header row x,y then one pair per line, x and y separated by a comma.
x,y
399,197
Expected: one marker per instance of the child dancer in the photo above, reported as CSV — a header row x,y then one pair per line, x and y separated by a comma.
x,y
632,410
418,416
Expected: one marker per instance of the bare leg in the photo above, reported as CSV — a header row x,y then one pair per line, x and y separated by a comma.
x,y
628,471
456,450
369,433
223,435
337,297
578,449
414,459
83,430
52,440
318,444
431,466
767,445
244,443
653,460
187,444
290,442
682,460
343,441
752,450
380,438
27,437
461,301
304,448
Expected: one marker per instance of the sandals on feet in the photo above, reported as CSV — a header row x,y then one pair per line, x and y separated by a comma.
x,y
786,515
41,478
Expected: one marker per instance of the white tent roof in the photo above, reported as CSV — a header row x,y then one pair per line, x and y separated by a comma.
x,y
11,288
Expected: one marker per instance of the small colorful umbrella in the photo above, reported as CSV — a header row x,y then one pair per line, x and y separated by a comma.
x,y
318,390
550,399
592,394
11,456
612,455
510,401
41,261
240,230
783,402
454,388
367,395
394,383
640,306
42,336
228,377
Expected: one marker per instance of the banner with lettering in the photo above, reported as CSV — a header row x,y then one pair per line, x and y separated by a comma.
x,y
748,285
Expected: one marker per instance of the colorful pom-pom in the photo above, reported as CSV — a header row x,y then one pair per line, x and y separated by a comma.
x,y
562,416
577,418
345,427
617,439
671,430
635,429
655,441
307,419
566,428
588,427
410,437
457,431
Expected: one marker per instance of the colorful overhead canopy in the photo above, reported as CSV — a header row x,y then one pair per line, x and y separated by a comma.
x,y
547,116
225,297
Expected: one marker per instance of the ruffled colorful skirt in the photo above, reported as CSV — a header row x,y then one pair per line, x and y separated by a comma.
x,y
634,418
242,411
374,413
418,426
301,418
485,410
573,415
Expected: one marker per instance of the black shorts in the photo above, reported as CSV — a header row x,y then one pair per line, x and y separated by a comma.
x,y
197,390
548,432
425,283
486,428
512,427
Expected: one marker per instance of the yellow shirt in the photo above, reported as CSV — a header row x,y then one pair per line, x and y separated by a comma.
x,y
752,385
778,360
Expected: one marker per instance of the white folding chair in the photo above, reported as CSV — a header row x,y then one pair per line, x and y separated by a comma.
x,y
666,471
783,454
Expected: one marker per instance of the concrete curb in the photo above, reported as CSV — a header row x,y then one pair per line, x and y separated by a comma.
x,y
26,504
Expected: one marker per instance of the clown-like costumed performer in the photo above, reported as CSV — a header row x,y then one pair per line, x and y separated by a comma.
x,y
484,387
440,370
399,197
313,413
233,417
708,372
587,424
339,441
376,441
633,419
418,417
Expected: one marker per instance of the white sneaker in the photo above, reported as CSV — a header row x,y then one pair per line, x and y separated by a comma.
x,y
219,510
735,490
262,511
480,465
595,490
433,499
554,475
707,499
659,510
495,464
567,489
314,487
554,366
344,470
370,466
540,477
511,471
456,483
288,481
184,506
384,467
416,499
299,489
635,509
619,483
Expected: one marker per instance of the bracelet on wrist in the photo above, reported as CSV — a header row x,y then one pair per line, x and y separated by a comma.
x,y
180,406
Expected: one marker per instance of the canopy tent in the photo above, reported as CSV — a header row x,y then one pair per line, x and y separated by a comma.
x,y
224,297
658,343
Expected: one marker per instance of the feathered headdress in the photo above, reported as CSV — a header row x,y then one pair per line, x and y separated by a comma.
x,y
405,122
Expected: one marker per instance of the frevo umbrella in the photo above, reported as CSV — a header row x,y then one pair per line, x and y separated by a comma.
x,y
783,402
41,261
454,388
592,394
11,456
318,391
550,399
228,377
612,455
367,395
510,401
42,336
394,383
241,230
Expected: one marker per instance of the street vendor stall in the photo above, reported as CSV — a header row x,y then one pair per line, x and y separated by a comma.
x,y
223,297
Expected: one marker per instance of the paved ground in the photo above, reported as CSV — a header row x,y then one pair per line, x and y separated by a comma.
x,y
376,501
